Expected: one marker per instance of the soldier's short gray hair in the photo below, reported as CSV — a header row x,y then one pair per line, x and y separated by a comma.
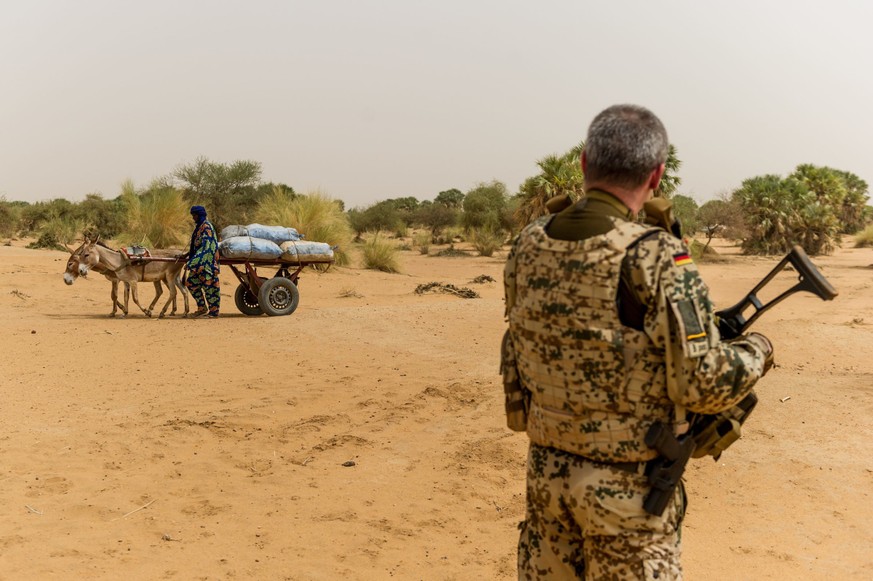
x,y
624,144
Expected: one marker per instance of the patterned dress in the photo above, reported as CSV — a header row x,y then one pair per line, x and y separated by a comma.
x,y
203,269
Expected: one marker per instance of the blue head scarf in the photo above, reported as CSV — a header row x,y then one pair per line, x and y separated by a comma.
x,y
199,213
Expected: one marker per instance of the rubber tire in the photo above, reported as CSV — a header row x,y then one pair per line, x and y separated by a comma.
x,y
279,296
247,302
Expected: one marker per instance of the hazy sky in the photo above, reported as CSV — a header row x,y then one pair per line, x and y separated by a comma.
x,y
370,100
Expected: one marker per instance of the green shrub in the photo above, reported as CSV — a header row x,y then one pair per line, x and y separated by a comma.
x,y
56,233
436,216
380,216
864,238
380,254
104,217
686,211
315,215
228,191
486,241
47,240
782,212
9,217
812,207
358,222
723,218
34,216
485,206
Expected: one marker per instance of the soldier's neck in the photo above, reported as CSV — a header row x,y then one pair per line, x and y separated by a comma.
x,y
633,198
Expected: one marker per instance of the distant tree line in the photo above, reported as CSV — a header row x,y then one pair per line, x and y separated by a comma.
x,y
155,215
813,207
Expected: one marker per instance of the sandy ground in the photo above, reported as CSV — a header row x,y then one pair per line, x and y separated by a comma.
x,y
185,449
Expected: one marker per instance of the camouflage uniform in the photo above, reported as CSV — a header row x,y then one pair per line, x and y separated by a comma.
x,y
203,269
611,329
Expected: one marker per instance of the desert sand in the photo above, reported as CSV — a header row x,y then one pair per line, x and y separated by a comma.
x,y
140,448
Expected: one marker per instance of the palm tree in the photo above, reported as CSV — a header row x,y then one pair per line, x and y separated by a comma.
x,y
670,181
559,175
783,212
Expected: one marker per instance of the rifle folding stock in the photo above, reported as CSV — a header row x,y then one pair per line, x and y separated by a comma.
x,y
731,321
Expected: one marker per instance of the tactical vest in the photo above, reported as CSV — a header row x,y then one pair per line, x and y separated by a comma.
x,y
596,386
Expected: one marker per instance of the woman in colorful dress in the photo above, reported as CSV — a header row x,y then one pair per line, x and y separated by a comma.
x,y
203,269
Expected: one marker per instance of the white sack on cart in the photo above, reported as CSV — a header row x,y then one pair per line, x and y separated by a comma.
x,y
277,234
305,251
249,248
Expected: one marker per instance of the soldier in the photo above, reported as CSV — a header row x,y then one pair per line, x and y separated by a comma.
x,y
610,330
203,266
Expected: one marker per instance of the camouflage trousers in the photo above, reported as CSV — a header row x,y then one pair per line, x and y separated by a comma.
x,y
585,520
200,285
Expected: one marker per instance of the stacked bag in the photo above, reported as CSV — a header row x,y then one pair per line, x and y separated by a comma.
x,y
304,251
279,243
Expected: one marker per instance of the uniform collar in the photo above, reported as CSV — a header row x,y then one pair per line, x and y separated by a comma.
x,y
614,206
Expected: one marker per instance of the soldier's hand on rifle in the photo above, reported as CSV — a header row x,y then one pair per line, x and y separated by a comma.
x,y
765,345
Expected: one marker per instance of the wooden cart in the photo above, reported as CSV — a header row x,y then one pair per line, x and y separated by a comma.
x,y
274,296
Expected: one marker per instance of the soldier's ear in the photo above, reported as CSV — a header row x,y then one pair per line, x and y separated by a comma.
x,y
655,177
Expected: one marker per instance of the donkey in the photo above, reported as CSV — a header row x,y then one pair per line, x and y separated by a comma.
x,y
72,273
117,267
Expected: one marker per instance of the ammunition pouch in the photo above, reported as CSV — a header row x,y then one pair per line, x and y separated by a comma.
x,y
516,397
713,434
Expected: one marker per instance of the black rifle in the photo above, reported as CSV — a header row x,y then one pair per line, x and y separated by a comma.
x,y
732,323
712,434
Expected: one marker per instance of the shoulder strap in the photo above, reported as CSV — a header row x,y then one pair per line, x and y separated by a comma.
x,y
631,311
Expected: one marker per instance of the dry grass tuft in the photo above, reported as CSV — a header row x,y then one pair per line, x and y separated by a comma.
x,y
486,241
422,241
315,215
864,238
380,254
157,218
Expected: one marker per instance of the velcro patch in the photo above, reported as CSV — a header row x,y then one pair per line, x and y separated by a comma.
x,y
682,259
694,335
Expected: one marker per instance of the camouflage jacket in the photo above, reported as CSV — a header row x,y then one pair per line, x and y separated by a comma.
x,y
596,385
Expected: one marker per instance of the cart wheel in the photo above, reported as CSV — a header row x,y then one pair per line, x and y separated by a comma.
x,y
247,301
279,296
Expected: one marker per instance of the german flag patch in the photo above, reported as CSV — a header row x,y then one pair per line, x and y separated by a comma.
x,y
682,259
